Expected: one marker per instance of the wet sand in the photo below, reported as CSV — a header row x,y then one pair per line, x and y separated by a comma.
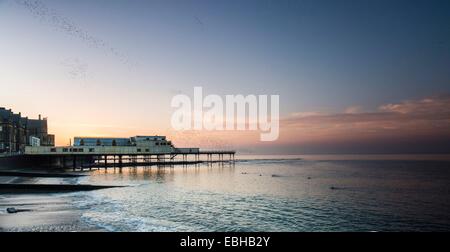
x,y
41,213
48,212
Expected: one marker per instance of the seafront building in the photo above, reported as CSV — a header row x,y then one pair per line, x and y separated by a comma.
x,y
132,141
17,132
137,145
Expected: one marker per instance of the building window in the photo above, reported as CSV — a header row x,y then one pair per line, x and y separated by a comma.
x,y
53,149
157,143
75,150
80,150
147,150
138,150
65,150
91,149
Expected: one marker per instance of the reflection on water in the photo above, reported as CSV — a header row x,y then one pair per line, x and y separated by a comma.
x,y
274,194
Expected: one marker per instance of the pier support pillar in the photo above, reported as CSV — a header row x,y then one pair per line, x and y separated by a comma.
x,y
74,162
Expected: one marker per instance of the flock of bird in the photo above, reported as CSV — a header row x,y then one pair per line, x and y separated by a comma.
x,y
77,69
192,136
40,10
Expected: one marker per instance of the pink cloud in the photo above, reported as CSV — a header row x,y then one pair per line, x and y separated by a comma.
x,y
413,124
429,116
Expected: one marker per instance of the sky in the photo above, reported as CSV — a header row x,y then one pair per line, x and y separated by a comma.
x,y
352,76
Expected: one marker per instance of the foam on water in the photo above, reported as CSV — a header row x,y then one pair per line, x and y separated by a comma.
x,y
372,196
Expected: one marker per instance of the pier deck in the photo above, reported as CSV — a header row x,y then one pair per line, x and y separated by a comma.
x,y
112,156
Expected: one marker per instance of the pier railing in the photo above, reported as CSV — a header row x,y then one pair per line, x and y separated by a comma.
x,y
217,152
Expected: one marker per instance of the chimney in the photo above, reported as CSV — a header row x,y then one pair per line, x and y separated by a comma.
x,y
20,114
39,117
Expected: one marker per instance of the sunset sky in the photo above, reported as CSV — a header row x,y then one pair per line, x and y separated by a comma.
x,y
353,76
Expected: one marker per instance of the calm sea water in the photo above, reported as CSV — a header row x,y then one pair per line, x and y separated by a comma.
x,y
276,193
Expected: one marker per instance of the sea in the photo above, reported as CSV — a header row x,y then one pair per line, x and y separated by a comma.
x,y
275,193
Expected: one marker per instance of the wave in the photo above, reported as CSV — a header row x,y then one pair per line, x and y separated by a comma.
x,y
112,215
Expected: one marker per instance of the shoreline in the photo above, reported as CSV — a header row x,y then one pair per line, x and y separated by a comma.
x,y
16,188
9,173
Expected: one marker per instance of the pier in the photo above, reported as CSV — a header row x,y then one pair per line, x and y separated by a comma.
x,y
82,157
98,152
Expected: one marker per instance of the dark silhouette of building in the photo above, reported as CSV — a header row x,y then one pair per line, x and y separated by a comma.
x,y
16,131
